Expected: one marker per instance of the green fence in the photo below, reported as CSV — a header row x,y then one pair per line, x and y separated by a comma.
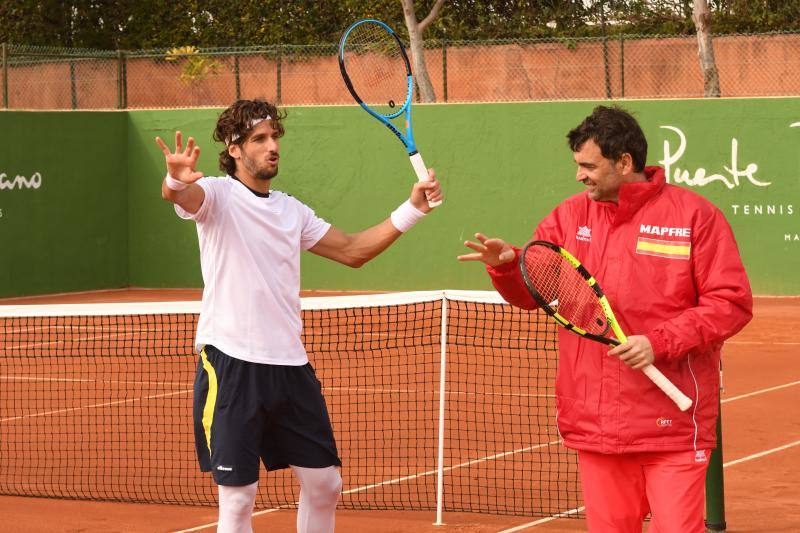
x,y
97,219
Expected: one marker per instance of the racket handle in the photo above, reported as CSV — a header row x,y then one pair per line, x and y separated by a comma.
x,y
422,173
681,400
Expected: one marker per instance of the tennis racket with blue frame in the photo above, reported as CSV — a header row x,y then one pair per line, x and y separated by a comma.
x,y
566,291
376,71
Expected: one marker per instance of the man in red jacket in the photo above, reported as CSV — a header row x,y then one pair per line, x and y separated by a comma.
x,y
668,262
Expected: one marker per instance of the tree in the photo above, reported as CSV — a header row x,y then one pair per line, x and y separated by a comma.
x,y
416,29
708,65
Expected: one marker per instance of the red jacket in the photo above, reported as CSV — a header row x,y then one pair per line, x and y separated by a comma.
x,y
668,262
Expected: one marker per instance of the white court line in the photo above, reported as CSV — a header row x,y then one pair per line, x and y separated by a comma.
x,y
106,404
377,390
565,514
760,343
761,454
762,391
73,341
725,465
398,480
86,380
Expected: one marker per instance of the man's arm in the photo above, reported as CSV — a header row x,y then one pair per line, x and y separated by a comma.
x,y
179,186
355,249
501,260
724,302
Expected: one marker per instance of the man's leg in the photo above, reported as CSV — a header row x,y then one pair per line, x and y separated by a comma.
x,y
319,494
613,492
676,490
236,508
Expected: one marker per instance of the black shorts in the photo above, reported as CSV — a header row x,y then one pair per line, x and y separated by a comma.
x,y
246,411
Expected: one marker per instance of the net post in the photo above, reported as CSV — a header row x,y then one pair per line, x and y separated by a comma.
x,y
442,388
715,486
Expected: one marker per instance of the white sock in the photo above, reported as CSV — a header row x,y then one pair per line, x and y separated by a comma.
x,y
236,508
319,494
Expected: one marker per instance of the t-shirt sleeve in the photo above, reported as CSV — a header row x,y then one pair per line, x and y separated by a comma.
x,y
314,227
211,188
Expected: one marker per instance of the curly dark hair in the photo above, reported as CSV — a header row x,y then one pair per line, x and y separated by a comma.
x,y
233,126
615,131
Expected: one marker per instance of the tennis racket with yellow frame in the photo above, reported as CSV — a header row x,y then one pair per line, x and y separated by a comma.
x,y
566,291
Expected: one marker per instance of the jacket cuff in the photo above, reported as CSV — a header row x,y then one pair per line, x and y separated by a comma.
x,y
502,270
659,345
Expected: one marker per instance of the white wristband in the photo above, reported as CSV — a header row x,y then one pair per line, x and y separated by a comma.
x,y
405,216
174,184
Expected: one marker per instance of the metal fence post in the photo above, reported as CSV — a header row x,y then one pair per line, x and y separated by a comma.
x,y
607,72
278,75
72,86
5,75
444,69
236,74
621,65
122,81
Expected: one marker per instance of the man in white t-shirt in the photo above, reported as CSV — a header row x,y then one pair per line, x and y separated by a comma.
x,y
256,397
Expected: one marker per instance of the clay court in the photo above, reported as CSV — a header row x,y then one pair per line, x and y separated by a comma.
x,y
384,402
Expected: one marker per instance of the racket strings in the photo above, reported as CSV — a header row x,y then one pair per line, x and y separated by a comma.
x,y
564,289
377,70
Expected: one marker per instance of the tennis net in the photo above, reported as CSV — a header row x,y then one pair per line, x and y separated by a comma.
x,y
439,400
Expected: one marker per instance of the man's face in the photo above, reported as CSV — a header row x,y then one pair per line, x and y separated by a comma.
x,y
258,154
602,177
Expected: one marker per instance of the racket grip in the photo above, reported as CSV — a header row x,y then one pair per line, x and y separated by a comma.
x,y
681,400
422,173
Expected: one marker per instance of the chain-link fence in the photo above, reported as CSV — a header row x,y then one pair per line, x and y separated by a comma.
x,y
487,71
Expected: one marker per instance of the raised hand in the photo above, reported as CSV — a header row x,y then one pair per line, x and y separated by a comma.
x,y
493,252
181,163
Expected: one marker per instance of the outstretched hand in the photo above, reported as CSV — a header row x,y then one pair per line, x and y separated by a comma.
x,y
493,252
181,164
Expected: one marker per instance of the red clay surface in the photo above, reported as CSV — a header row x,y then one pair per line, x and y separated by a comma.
x,y
760,490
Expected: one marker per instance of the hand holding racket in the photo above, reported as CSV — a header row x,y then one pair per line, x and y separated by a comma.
x,y
377,73
565,290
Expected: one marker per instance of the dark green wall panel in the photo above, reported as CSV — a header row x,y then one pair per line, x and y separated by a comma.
x,y
503,167
70,233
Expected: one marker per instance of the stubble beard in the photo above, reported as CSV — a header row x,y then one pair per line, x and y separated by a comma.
x,y
262,173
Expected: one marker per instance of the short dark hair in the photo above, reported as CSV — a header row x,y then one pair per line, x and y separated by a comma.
x,y
615,131
234,124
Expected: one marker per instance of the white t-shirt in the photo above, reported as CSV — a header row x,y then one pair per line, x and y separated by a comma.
x,y
250,257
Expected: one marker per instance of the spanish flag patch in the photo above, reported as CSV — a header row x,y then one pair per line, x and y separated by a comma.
x,y
667,249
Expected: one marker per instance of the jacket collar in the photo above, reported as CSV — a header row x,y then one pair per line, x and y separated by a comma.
x,y
633,196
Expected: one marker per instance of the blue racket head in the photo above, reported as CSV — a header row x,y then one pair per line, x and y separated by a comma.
x,y
376,71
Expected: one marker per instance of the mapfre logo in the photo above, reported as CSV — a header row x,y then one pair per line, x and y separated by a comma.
x,y
663,422
584,234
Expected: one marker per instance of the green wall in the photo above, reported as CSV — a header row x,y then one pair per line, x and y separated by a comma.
x,y
503,167
70,232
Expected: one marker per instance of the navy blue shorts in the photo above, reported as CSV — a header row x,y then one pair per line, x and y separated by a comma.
x,y
245,412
